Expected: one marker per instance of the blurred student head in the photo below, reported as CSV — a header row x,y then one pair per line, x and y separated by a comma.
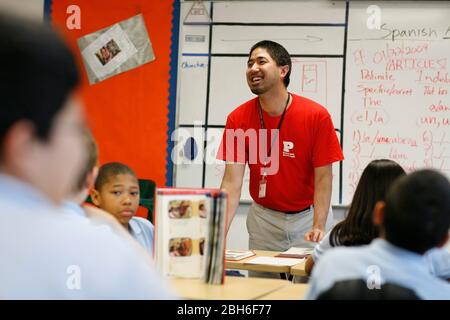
x,y
358,227
40,117
116,191
416,213
89,172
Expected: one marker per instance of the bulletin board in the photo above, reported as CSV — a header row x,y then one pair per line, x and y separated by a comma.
x,y
133,113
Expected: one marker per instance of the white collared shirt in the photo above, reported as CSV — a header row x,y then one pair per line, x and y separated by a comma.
x,y
143,231
46,254
395,265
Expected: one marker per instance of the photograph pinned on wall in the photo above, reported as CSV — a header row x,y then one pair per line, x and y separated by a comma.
x,y
107,52
116,49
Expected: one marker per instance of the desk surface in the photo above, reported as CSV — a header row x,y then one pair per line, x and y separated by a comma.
x,y
234,288
243,265
299,270
289,292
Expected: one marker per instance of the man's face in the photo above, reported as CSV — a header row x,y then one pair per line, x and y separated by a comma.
x,y
119,196
263,73
55,164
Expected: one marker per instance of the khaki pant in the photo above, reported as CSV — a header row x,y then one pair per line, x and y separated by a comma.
x,y
277,231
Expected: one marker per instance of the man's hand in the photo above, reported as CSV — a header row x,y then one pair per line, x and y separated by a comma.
x,y
314,235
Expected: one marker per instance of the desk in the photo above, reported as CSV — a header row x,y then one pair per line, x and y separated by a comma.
x,y
234,288
289,292
299,269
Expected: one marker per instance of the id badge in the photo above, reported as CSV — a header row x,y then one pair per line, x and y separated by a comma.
x,y
262,187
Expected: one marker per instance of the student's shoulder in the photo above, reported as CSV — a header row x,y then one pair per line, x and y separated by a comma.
x,y
341,256
143,223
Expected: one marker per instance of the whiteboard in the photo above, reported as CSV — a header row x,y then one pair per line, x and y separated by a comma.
x,y
391,102
296,39
397,104
280,11
212,63
324,77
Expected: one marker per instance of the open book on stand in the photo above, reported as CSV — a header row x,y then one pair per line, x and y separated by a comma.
x,y
190,233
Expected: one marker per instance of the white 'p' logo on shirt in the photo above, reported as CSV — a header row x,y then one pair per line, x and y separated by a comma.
x,y
287,147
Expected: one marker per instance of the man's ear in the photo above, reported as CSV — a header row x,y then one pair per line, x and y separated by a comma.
x,y
284,71
91,177
378,213
95,196
443,242
18,146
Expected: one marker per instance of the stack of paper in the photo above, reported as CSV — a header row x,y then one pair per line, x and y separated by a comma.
x,y
235,255
294,252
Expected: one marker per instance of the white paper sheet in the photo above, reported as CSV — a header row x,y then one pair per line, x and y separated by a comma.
x,y
124,44
275,261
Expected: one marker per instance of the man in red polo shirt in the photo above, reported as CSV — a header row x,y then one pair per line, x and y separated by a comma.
x,y
289,143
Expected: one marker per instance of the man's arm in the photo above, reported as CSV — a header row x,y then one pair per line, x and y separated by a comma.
x,y
323,177
232,183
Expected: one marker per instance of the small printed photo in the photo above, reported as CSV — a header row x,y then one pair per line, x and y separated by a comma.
x,y
202,209
180,209
107,52
180,247
201,245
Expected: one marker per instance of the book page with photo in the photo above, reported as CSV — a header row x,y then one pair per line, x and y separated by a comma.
x,y
189,227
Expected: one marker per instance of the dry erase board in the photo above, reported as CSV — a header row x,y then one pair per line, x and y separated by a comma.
x,y
402,114
397,103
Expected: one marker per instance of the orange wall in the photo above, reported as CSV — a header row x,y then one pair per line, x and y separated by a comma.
x,y
128,113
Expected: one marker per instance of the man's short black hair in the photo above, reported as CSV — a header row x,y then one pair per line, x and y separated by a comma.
x,y
417,213
278,53
109,170
37,75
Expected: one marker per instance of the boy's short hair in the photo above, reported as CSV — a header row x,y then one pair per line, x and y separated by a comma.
x,y
91,162
37,75
417,212
109,170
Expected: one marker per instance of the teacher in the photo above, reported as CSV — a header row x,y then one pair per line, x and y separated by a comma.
x,y
289,144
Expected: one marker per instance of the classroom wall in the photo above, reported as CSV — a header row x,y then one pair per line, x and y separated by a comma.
x,y
128,113
33,9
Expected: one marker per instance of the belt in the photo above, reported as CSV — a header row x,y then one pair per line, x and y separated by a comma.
x,y
298,211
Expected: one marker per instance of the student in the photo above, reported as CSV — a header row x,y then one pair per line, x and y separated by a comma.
x,y
357,228
43,253
86,180
439,261
73,204
414,219
117,192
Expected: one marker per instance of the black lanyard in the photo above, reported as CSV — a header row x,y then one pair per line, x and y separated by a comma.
x,y
261,120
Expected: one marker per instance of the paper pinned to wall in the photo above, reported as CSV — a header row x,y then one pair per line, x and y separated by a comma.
x,y
116,49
